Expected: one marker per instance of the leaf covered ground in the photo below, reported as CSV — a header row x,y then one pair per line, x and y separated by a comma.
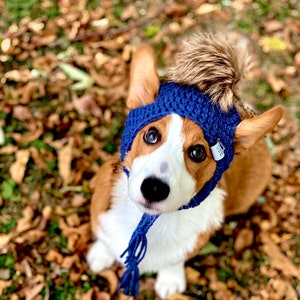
x,y
63,81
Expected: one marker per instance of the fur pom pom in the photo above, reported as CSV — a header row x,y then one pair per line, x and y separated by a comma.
x,y
215,66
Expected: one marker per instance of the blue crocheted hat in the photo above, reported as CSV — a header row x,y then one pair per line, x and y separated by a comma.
x,y
218,127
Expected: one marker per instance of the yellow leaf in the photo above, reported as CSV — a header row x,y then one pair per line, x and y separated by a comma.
x,y
272,43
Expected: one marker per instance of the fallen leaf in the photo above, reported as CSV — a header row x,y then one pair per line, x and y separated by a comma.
x,y
4,274
65,156
35,132
244,239
22,113
87,105
54,256
87,296
18,168
112,278
4,240
4,284
279,260
2,136
25,222
272,43
179,297
206,8
192,275
69,261
278,85
32,292
84,81
9,149
18,75
34,288
30,237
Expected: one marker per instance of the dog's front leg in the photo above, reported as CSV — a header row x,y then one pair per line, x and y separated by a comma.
x,y
171,280
99,257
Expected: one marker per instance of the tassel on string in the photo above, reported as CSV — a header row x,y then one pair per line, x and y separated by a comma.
x,y
135,253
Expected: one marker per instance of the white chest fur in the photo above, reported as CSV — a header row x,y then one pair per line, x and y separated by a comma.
x,y
172,235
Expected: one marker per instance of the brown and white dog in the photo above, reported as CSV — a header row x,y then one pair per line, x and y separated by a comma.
x,y
118,202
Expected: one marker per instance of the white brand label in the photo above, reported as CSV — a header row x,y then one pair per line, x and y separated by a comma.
x,y
217,151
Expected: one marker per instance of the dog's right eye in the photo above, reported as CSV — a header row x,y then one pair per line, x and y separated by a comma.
x,y
152,136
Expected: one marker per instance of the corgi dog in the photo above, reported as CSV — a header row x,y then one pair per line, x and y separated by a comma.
x,y
169,157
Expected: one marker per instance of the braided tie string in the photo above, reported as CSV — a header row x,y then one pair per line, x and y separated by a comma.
x,y
135,253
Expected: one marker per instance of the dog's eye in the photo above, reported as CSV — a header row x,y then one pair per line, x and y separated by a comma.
x,y
152,136
197,153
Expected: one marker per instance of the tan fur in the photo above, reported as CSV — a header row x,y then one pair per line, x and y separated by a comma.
x,y
144,81
215,66
249,131
246,179
102,185
140,148
202,172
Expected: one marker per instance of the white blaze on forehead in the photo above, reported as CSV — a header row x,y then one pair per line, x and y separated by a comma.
x,y
167,164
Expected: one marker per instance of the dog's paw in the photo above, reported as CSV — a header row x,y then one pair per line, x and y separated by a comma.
x,y
99,257
170,281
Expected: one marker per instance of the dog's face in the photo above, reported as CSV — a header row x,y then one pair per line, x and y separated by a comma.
x,y
169,162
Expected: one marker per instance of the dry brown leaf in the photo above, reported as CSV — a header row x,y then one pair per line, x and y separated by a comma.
x,y
112,278
18,75
102,296
207,8
4,284
192,275
35,154
278,85
35,286
22,113
279,289
73,220
87,105
65,156
30,237
54,256
32,292
36,131
87,296
69,261
26,221
79,200
279,260
18,168
179,297
4,274
46,214
5,239
9,149
244,239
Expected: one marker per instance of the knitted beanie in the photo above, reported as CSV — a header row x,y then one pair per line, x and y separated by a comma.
x,y
218,127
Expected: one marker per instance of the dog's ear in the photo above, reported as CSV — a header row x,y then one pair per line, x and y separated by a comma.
x,y
144,80
249,131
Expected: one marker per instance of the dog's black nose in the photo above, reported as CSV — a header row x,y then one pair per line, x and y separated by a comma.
x,y
154,190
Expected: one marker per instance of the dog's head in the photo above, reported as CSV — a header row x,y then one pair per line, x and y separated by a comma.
x,y
172,156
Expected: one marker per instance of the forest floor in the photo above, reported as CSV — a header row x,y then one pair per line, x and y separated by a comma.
x,y
63,82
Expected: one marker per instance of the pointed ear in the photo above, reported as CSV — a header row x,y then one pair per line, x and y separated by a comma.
x,y
249,131
144,80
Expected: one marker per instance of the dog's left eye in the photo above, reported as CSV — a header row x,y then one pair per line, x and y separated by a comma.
x,y
152,136
197,153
